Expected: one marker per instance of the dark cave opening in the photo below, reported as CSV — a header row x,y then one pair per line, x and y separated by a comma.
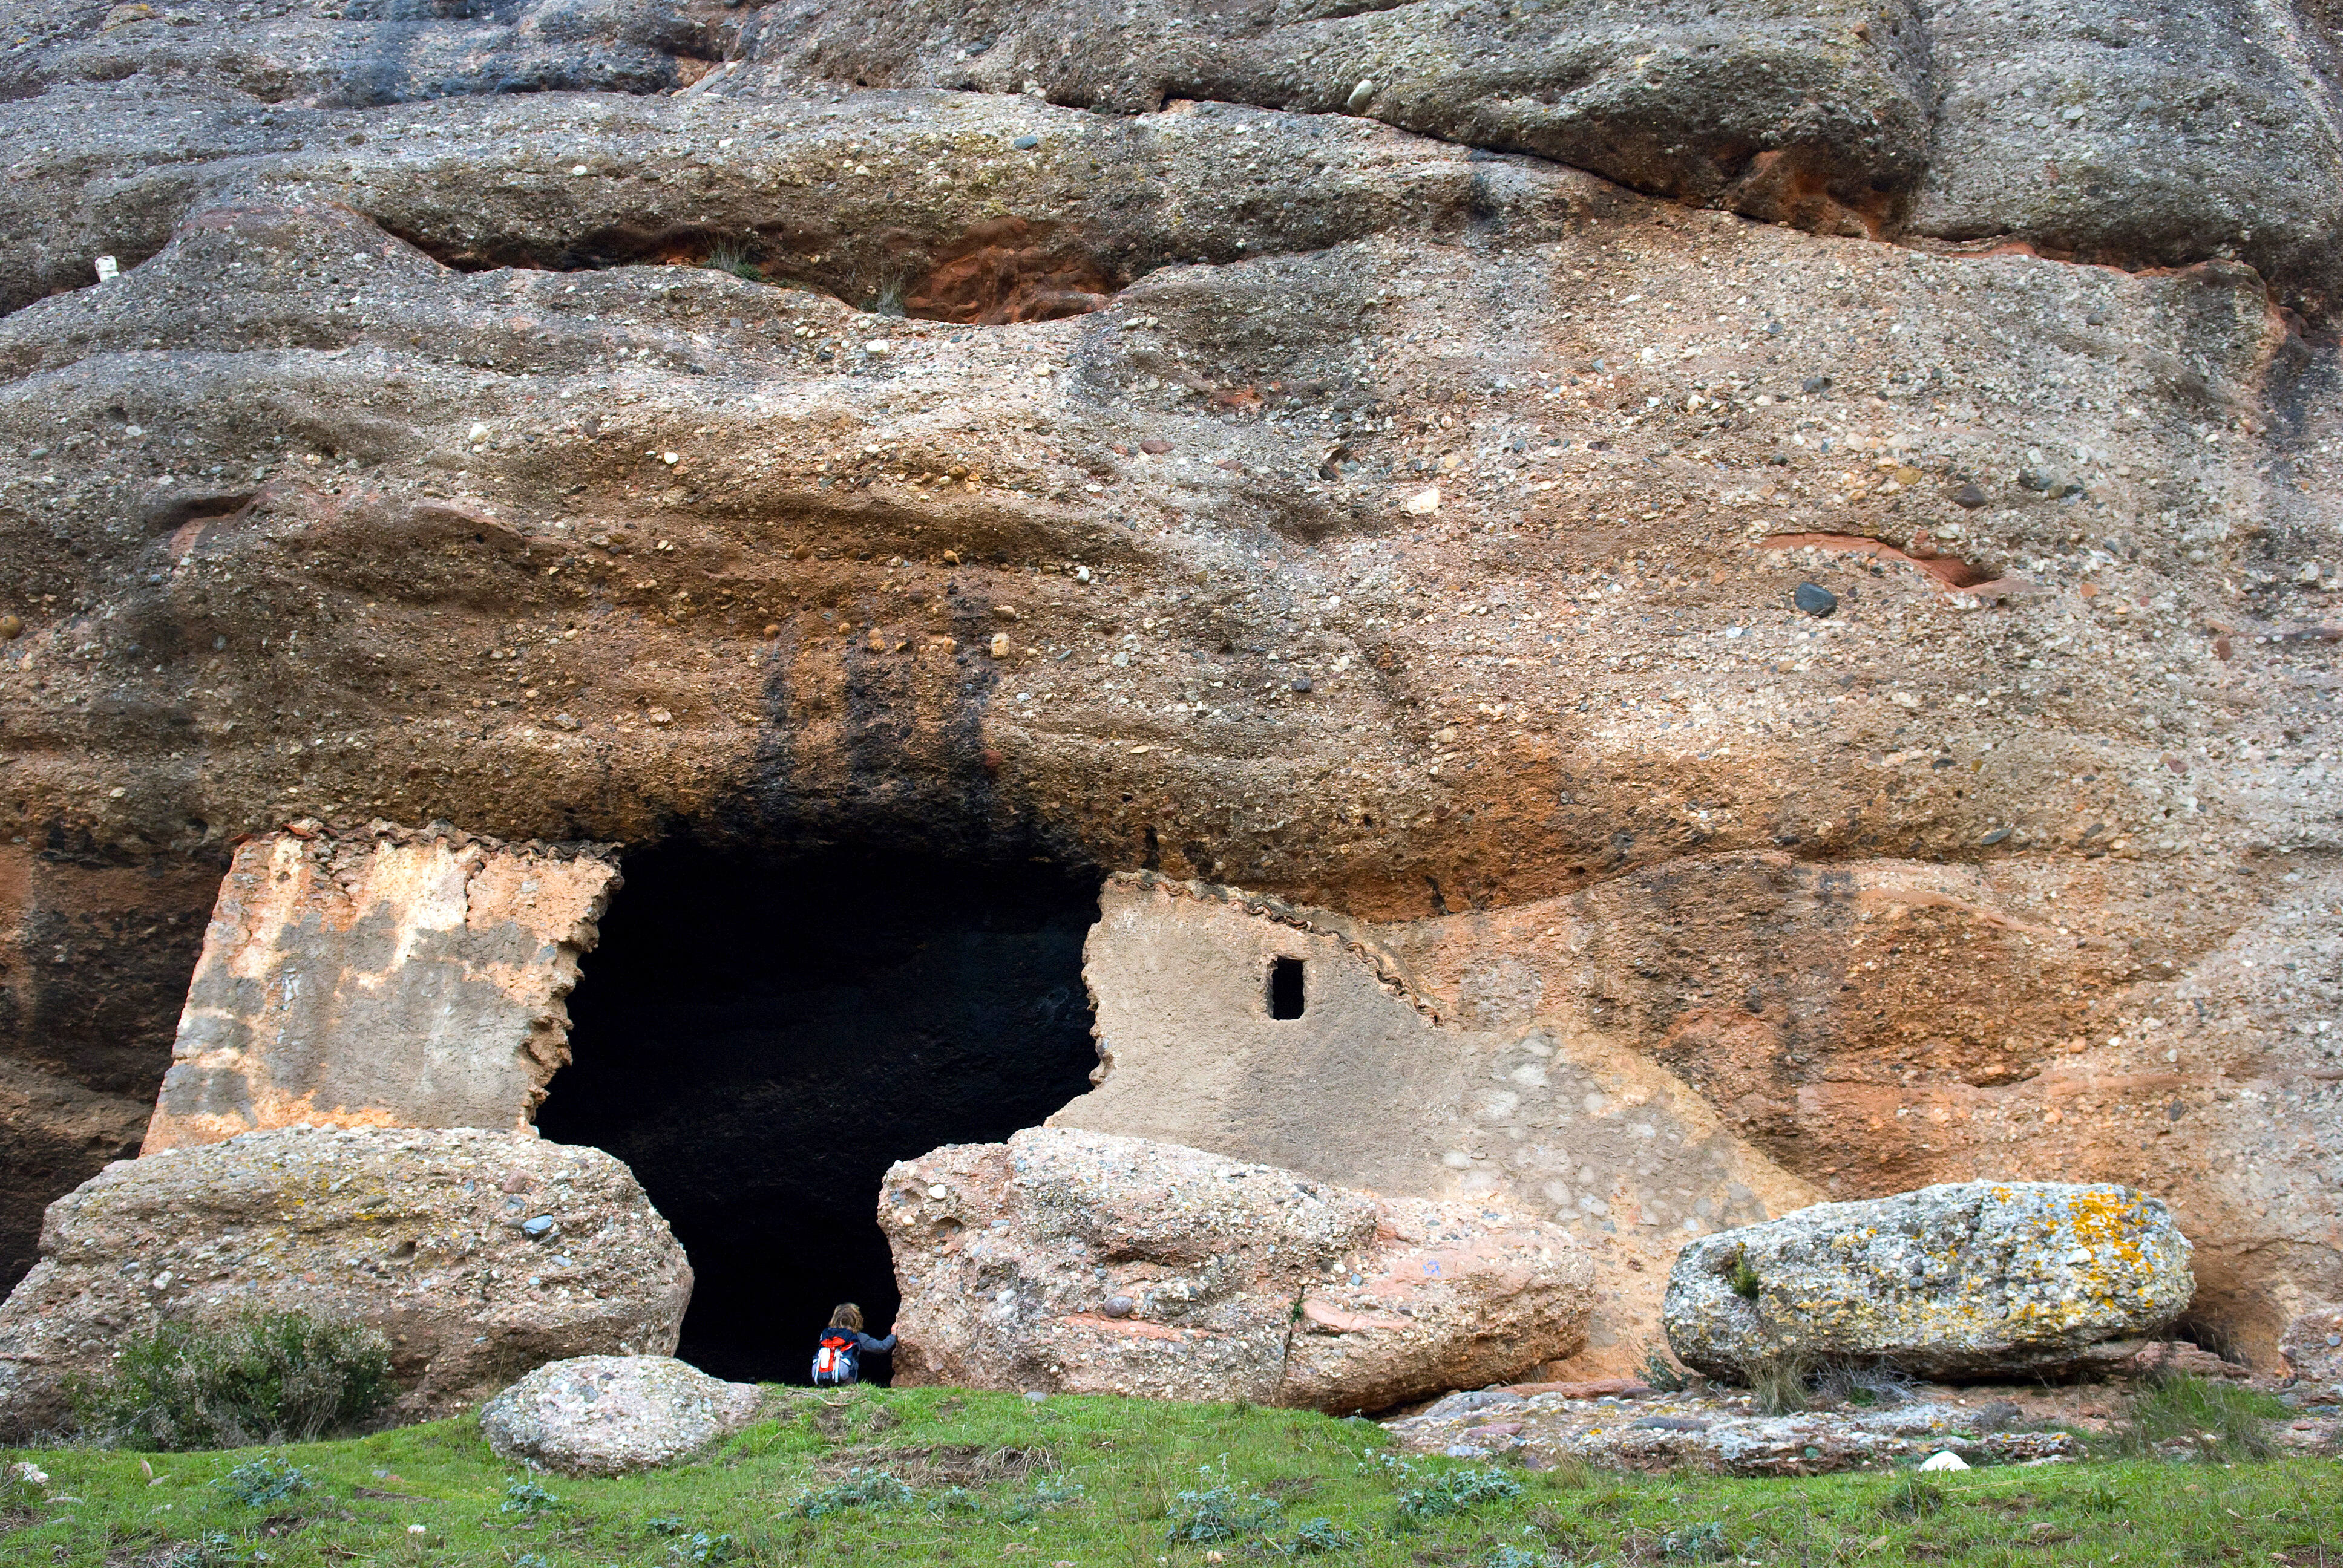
x,y
759,1040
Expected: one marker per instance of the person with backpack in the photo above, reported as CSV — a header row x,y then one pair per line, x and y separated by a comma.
x,y
837,1361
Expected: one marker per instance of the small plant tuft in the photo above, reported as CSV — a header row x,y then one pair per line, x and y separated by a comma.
x,y
856,1489
1783,1383
1051,1492
257,1482
734,260
527,1499
1220,1511
1741,1276
1914,1497
1515,1557
281,1377
1703,1542
700,1546
1456,1492
1316,1537
1662,1372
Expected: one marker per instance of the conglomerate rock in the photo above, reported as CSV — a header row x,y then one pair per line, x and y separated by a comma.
x,y
610,1415
1444,507
479,1254
1077,1263
1978,1280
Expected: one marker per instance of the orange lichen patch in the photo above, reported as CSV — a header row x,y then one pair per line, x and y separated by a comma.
x,y
1951,573
1007,271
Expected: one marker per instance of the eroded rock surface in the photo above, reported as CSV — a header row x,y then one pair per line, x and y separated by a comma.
x,y
1071,1261
479,1254
386,979
612,1415
1973,1280
417,467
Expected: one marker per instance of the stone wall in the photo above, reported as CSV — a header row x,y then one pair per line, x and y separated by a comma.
x,y
389,979
1378,1086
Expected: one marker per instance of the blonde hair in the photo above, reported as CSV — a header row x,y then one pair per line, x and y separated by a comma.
x,y
847,1316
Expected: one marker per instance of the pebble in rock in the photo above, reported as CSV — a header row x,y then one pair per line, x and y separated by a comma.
x,y
1814,599
1969,497
1302,683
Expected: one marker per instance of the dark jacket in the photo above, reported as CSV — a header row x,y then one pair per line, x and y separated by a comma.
x,y
863,1344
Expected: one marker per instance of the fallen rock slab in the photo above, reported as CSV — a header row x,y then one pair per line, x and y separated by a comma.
x,y
1964,1280
479,1254
610,1415
1075,1262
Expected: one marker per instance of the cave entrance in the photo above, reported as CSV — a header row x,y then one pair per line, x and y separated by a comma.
x,y
761,1040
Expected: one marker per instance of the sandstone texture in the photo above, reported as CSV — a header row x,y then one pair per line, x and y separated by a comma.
x,y
1369,459
1973,1280
1077,1263
385,981
611,1415
1502,1095
480,1255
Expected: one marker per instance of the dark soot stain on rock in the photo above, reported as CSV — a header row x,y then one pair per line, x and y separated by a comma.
x,y
759,1040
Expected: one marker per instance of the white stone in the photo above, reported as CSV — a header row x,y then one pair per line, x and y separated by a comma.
x,y
609,1415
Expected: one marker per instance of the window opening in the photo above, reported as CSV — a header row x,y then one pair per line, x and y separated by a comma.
x,y
1285,994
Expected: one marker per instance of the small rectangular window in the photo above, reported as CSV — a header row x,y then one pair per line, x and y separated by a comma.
x,y
1285,988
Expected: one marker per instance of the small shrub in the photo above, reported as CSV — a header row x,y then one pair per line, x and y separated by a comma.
x,y
257,1482
1315,1537
1696,1542
1741,1276
1220,1513
527,1499
2177,1406
282,1377
1456,1492
858,1489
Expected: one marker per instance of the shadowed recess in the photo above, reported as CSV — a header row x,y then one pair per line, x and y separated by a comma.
x,y
759,1040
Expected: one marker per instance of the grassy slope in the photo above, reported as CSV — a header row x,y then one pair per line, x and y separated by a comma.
x,y
1132,1458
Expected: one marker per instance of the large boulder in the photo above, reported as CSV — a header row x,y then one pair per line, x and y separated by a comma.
x,y
1075,1262
610,1415
1974,1279
479,1254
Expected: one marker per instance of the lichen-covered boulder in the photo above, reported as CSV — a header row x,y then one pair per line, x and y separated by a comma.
x,y
1974,1279
1064,1261
479,1254
609,1415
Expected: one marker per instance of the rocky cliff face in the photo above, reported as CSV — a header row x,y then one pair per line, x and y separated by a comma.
x,y
1371,457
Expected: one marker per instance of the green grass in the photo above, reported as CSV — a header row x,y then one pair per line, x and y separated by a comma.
x,y
997,1479
2225,1422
